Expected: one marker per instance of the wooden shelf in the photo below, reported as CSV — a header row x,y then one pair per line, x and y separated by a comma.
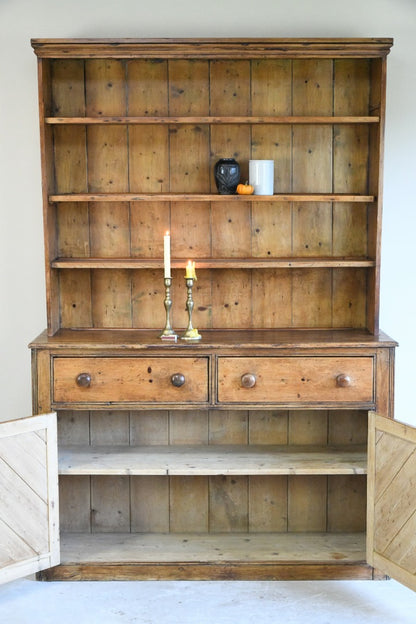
x,y
212,460
210,197
318,119
97,339
163,548
212,263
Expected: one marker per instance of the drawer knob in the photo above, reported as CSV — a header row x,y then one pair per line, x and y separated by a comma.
x,y
248,380
177,380
83,380
343,381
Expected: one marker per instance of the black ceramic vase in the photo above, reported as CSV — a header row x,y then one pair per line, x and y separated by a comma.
x,y
227,175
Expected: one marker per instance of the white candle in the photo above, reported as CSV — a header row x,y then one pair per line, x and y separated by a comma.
x,y
166,254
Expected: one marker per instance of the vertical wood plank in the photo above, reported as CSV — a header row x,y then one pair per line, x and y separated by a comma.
x,y
74,504
347,427
147,299
110,230
312,297
149,428
106,146
312,229
48,186
347,503
73,230
110,501
70,163
111,298
271,229
308,427
228,504
272,298
307,496
73,427
268,427
231,306
41,376
187,427
148,145
110,428
190,230
307,503
188,87
68,100
148,223
76,305
351,161
267,504
312,170
350,230
228,427
189,146
231,228
188,495
230,95
349,306
189,505
149,504
108,172
271,94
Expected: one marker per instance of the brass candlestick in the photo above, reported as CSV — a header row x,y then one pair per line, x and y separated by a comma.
x,y
191,333
168,333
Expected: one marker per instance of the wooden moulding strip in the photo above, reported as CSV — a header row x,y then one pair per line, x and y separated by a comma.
x,y
213,120
193,197
215,48
211,263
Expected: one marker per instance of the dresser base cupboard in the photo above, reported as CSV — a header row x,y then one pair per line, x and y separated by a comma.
x,y
268,449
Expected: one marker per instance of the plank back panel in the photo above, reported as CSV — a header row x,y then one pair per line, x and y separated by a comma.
x,y
180,158
225,503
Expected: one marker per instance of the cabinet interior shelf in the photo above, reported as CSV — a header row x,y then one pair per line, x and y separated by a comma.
x,y
210,197
212,460
213,263
312,119
212,547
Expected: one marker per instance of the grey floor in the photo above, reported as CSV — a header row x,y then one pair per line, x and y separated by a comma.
x,y
230,602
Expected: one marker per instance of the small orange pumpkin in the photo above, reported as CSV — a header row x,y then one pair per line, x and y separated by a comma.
x,y
245,189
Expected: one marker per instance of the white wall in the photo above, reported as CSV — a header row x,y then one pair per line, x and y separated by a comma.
x,y
22,307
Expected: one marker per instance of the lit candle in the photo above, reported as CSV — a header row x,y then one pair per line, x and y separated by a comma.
x,y
166,254
190,270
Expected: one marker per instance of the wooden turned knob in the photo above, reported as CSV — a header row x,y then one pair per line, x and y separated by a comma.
x,y
83,380
343,381
248,380
177,380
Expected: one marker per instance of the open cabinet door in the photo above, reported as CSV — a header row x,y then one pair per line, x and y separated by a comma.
x,y
29,515
391,513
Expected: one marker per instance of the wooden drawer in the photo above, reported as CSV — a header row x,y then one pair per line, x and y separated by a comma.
x,y
316,380
130,379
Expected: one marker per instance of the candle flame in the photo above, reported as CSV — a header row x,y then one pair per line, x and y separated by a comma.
x,y
167,233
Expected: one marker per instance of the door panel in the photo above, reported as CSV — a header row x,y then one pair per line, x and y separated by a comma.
x,y
391,514
29,526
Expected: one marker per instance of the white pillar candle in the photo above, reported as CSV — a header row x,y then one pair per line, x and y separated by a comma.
x,y
166,254
261,174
